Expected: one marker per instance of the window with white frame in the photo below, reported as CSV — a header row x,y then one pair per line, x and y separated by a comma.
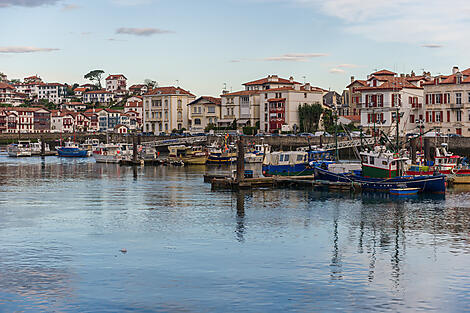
x,y
458,98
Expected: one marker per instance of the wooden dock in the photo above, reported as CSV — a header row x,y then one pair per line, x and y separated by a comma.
x,y
219,183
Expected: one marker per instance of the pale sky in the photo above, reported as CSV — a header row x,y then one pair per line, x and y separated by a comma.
x,y
204,44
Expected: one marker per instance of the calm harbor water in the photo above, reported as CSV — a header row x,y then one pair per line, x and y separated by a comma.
x,y
189,249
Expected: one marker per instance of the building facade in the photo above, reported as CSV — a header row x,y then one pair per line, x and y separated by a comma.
x,y
165,109
202,112
447,103
388,97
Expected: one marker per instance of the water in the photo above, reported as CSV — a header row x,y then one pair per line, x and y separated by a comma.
x,y
63,222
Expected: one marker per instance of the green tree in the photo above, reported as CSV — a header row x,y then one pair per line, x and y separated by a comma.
x,y
95,75
150,83
329,118
309,117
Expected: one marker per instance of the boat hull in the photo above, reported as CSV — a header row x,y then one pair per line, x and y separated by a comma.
x,y
99,158
222,159
199,160
428,183
287,170
72,152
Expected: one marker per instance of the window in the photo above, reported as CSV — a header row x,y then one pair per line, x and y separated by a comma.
x,y
305,95
458,98
197,121
300,158
438,116
286,157
371,160
180,116
364,159
438,98
211,109
265,96
459,115
199,110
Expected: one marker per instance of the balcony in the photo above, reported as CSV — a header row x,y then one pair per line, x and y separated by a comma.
x,y
416,106
456,105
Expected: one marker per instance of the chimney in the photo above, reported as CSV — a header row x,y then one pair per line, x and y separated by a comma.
x,y
402,75
455,70
352,79
291,79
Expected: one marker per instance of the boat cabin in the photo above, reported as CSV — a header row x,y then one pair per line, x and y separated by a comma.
x,y
381,163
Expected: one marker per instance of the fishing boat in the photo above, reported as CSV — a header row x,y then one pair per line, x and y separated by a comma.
x,y
287,163
71,150
111,153
90,145
382,171
227,155
256,155
295,163
187,155
445,163
20,149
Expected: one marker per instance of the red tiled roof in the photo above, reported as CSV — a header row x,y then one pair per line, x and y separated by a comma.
x,y
266,80
362,82
276,99
242,93
83,89
6,86
137,86
169,91
93,111
135,104
384,72
115,76
216,101
395,83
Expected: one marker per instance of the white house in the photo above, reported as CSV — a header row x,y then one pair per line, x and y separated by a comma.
x,y
385,94
116,84
98,96
53,92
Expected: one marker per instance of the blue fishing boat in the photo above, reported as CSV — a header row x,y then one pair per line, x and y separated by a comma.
x,y
381,171
71,150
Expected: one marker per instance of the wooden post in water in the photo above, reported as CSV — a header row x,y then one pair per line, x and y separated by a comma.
x,y
134,149
43,146
427,149
240,160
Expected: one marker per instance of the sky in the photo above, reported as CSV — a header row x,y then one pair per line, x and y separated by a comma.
x,y
201,45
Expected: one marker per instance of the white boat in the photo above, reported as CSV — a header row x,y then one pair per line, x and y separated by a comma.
x,y
90,145
36,148
20,149
257,154
112,153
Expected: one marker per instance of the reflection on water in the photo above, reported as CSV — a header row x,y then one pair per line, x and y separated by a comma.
x,y
63,222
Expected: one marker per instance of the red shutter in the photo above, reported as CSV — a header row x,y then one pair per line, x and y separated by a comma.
x,y
382,99
427,116
410,100
442,116
393,100
412,118
381,117
433,99
448,116
427,99
368,118
433,116
367,100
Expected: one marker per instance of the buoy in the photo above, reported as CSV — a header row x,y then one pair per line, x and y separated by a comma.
x,y
123,250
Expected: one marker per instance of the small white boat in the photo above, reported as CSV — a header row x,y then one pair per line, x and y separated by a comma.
x,y
112,153
257,154
20,149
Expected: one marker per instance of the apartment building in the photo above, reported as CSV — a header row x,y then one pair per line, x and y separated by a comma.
x,y
53,92
7,93
165,109
280,106
202,112
28,120
447,103
386,94
98,96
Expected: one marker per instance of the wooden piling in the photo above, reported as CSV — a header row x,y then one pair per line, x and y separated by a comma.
x,y
240,160
134,149
43,146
